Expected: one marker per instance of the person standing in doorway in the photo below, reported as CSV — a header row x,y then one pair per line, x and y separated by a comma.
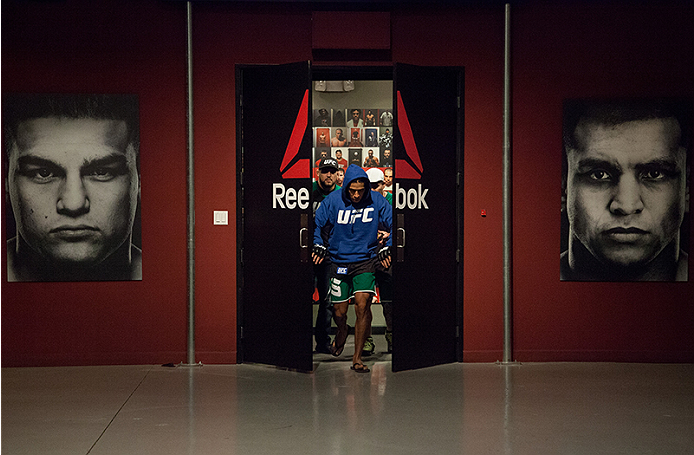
x,y
354,215
340,176
388,180
326,184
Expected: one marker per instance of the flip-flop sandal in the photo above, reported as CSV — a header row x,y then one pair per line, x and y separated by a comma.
x,y
360,368
335,351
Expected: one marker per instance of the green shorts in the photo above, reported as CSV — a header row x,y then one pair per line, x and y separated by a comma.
x,y
348,279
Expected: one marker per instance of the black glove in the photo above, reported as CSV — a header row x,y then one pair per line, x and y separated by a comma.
x,y
384,253
320,250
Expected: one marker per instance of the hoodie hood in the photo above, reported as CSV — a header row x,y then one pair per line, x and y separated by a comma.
x,y
353,173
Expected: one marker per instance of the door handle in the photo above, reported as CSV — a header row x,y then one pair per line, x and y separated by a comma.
x,y
400,238
303,238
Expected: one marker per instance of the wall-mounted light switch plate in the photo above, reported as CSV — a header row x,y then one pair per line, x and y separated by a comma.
x,y
221,217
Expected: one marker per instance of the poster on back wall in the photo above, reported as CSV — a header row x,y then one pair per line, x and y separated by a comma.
x,y
72,178
625,190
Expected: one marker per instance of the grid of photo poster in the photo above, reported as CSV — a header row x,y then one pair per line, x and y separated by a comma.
x,y
361,136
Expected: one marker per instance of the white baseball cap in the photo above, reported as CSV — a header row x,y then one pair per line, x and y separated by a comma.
x,y
375,175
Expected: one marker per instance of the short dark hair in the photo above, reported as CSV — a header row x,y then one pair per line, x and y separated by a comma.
x,y
18,108
611,112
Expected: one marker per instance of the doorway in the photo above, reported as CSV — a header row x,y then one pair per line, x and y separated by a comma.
x,y
277,146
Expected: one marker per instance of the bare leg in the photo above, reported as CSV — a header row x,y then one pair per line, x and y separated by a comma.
x,y
368,340
340,317
368,331
362,307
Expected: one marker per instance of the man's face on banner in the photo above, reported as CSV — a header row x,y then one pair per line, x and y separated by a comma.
x,y
73,186
627,189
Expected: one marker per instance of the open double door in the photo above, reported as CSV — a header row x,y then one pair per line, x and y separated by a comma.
x,y
274,162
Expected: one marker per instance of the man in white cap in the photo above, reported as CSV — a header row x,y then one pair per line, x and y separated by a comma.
x,y
377,180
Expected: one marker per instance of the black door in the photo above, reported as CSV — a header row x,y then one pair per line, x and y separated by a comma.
x,y
427,303
275,280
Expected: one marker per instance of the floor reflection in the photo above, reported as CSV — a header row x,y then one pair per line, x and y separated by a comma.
x,y
558,408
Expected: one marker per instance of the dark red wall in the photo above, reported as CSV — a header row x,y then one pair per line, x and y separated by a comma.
x,y
107,47
596,49
562,50
224,36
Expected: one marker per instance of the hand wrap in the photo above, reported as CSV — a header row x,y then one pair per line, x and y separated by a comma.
x,y
320,250
384,253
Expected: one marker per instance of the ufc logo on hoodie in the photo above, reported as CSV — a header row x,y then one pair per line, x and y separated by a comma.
x,y
350,216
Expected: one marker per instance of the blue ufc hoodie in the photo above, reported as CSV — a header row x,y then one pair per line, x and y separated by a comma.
x,y
353,227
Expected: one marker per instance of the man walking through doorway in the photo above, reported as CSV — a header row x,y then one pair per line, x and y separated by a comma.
x,y
353,215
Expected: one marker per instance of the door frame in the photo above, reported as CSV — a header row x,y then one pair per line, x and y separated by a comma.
x,y
357,73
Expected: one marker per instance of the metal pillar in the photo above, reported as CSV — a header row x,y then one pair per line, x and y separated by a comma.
x,y
190,188
508,313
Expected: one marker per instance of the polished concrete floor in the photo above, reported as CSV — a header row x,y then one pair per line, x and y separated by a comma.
x,y
552,408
